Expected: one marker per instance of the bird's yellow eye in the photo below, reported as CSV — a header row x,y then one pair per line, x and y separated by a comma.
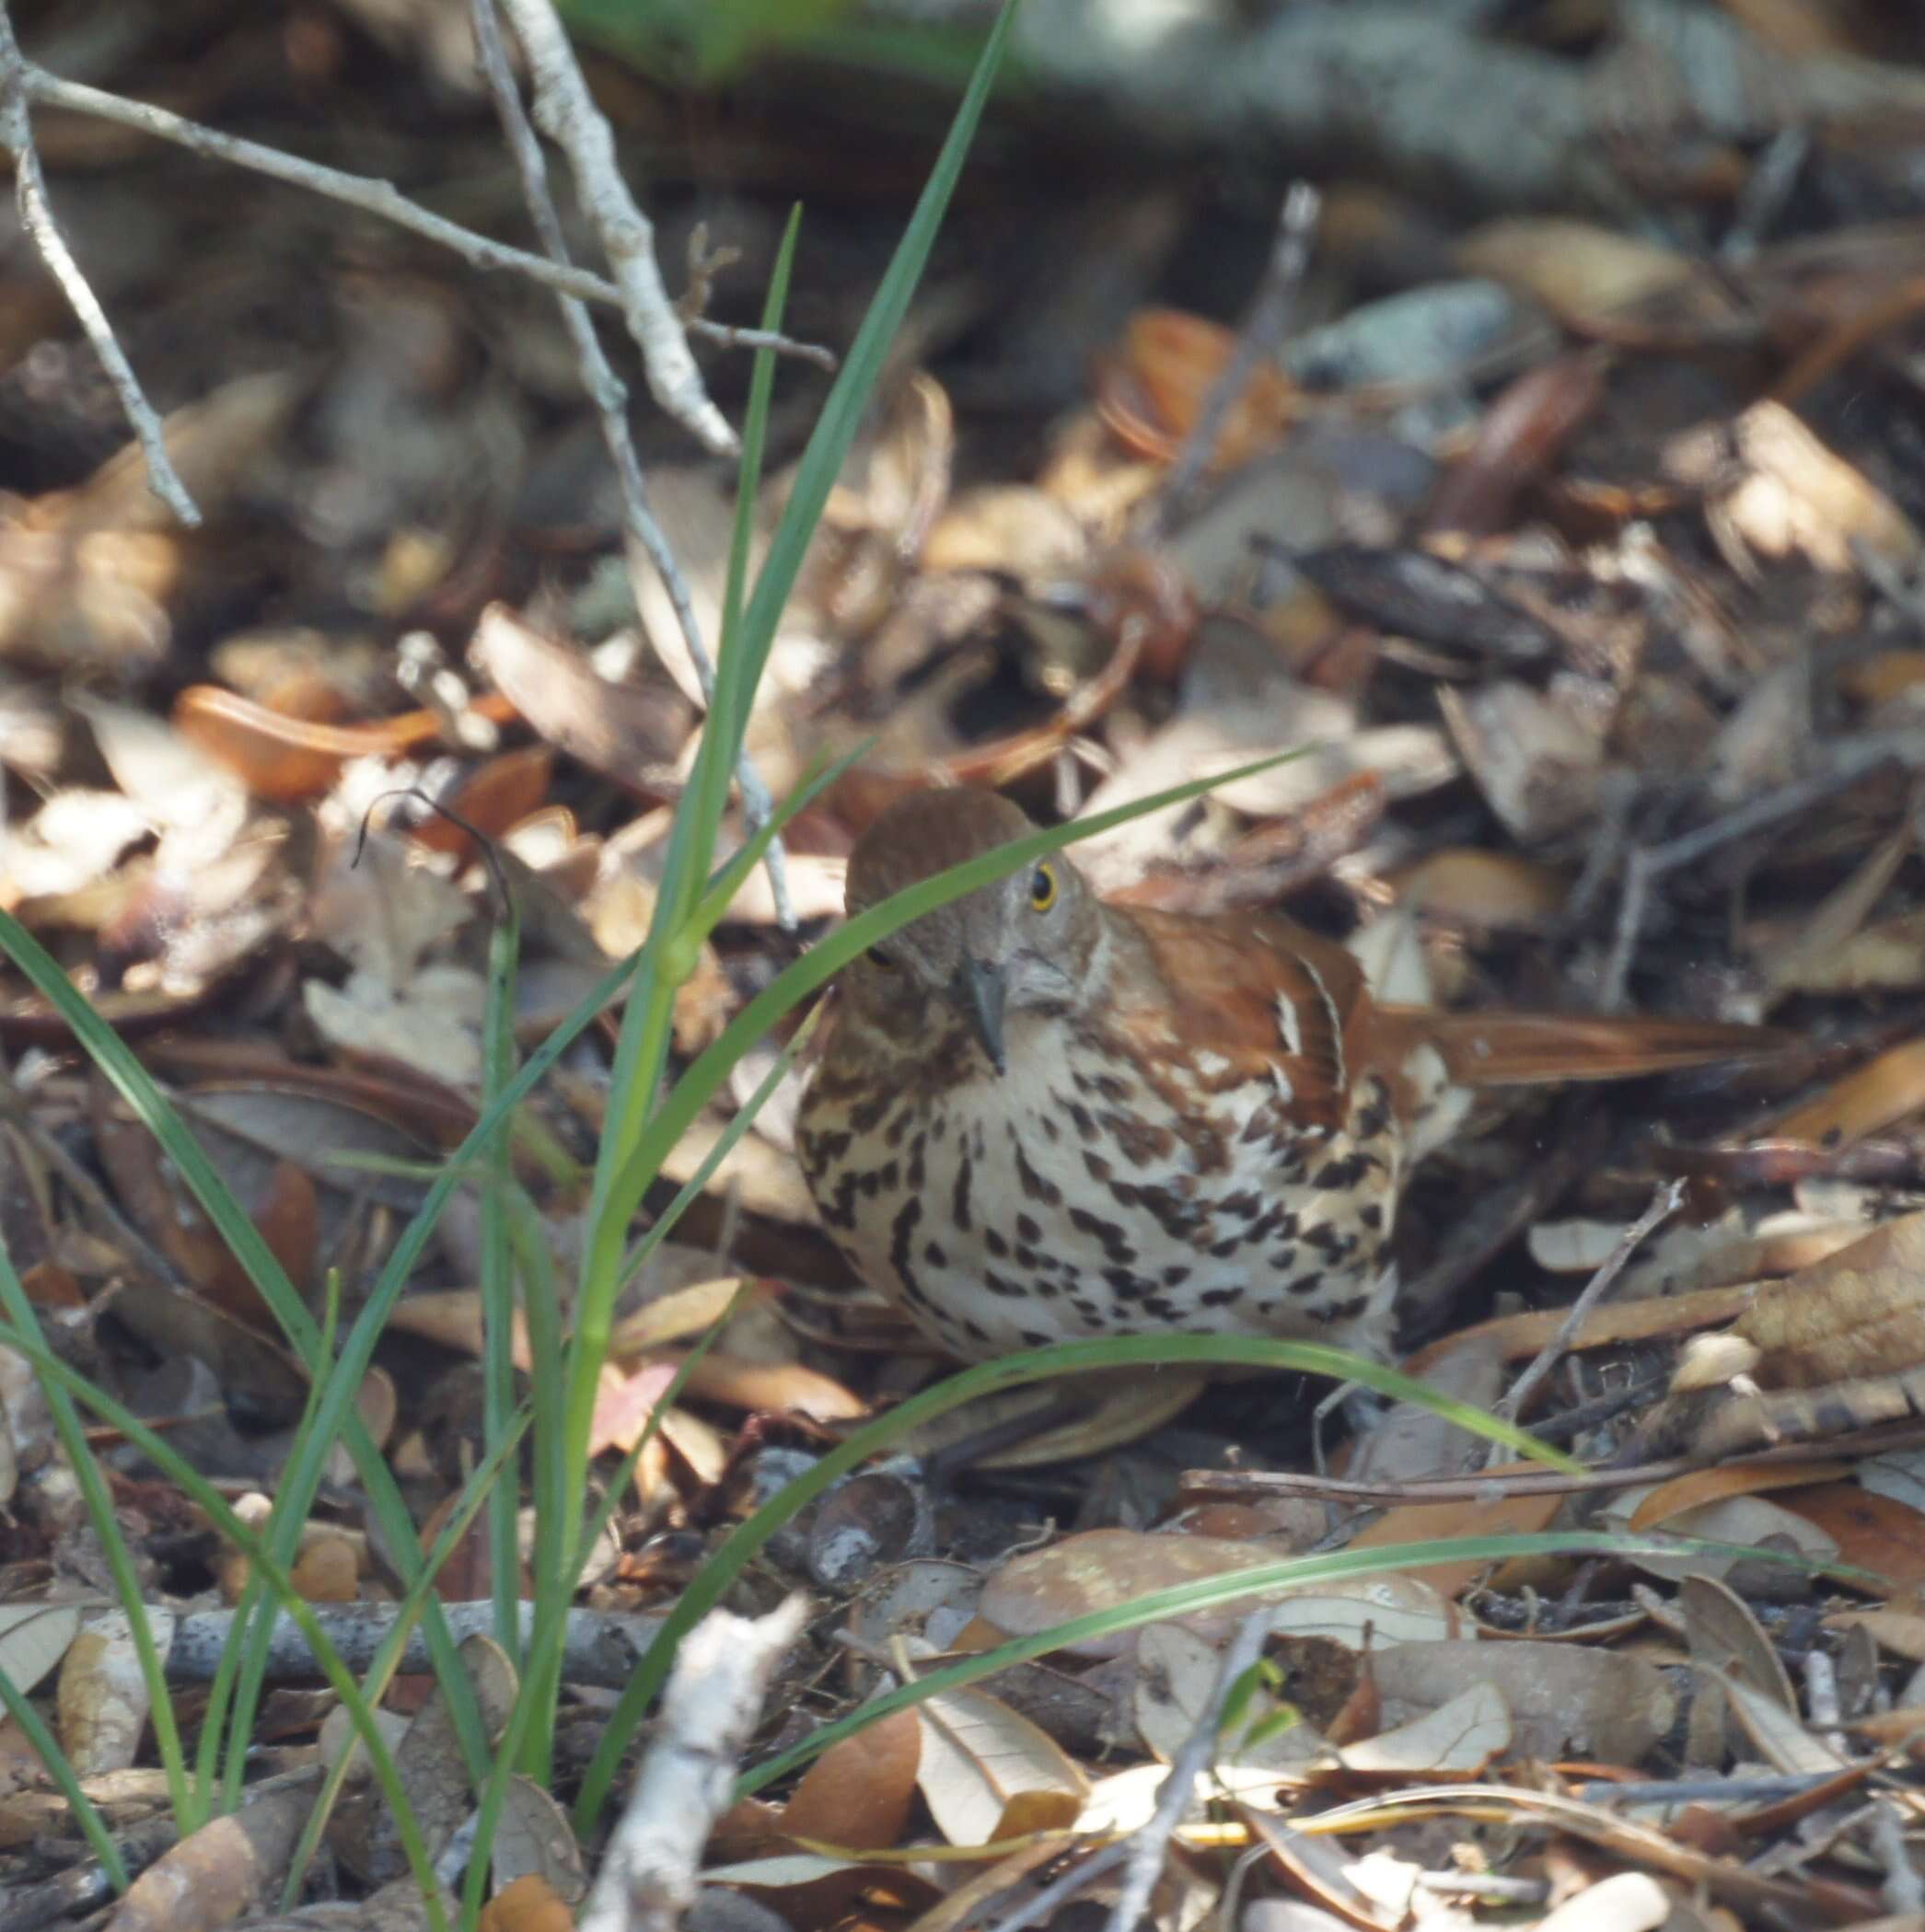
x,y
1042,888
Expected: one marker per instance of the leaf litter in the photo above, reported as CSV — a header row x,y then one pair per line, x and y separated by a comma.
x,y
1584,561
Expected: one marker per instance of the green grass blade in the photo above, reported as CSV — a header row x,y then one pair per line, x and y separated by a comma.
x,y
483,1482
706,1076
45,1746
51,1371
1214,1593
497,1281
719,1573
186,1796
841,416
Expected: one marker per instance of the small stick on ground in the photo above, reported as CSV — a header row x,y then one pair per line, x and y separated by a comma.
x,y
36,219
646,542
709,1710
1840,763
1150,1847
1663,1205
1262,330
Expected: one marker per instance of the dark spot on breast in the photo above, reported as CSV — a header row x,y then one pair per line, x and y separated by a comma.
x,y
1247,1204
1083,1120
959,1209
992,1240
1001,1285
936,1254
1115,1240
1035,1339
1027,1227
866,1116
1220,1297
1037,1186
1371,1214
1098,1168
1175,1274
1305,1284
1140,1141
903,1230
1347,1311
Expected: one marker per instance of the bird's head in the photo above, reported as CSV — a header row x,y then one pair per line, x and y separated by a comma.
x,y
1022,943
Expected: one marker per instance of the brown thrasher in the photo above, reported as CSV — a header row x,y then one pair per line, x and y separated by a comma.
x,y
1039,1118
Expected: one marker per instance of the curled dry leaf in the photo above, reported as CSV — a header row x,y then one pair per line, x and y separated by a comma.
x,y
988,1774
1588,275
1152,391
1456,1740
289,760
625,733
1858,1312
1791,495
101,1704
214,1875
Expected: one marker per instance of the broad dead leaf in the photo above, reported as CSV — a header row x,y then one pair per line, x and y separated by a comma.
x,y
988,1774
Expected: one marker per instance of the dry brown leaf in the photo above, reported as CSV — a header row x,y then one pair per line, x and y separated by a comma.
x,y
1710,1486
1456,1740
988,1774
1100,1569
1872,1532
1793,496
1563,1699
527,1905
1868,1098
1860,1313
1421,1523
1582,272
101,1700
216,1874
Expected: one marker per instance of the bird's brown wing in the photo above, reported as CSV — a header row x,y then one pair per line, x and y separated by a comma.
x,y
1253,994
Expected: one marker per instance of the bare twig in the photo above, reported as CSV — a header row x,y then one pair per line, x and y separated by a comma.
x,y
565,113
1262,330
646,543
373,197
1041,1903
1665,1203
1150,1847
1840,763
36,219
714,1698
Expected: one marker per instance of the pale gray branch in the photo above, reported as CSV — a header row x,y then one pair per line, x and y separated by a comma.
x,y
374,197
43,231
686,1780
646,542
568,116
